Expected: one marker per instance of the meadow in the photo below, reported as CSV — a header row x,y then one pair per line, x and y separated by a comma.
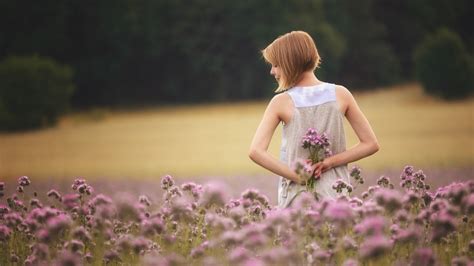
x,y
202,225
213,139
99,192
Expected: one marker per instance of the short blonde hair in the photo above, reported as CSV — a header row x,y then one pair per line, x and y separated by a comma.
x,y
294,53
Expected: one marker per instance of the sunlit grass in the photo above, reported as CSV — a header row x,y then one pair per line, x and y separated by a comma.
x,y
213,139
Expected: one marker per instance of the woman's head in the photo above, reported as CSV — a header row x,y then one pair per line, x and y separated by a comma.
x,y
293,54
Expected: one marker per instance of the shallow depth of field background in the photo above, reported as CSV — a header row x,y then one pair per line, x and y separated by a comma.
x,y
210,142
179,87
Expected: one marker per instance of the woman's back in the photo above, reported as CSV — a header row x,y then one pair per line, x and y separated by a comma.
x,y
313,107
294,59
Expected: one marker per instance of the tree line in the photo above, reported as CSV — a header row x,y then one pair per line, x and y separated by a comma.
x,y
124,52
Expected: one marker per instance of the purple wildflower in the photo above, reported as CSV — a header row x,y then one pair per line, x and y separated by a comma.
x,y
140,244
340,184
410,235
199,250
239,254
152,226
100,200
128,211
167,182
85,189
77,182
250,194
40,251
4,233
388,198
70,201
4,209
443,224
24,181
181,209
375,246
468,204
75,246
58,224
423,257
111,255
67,258
81,233
349,243
54,193
144,200
2,186
371,226
339,212
411,197
35,203
214,194
13,219
407,172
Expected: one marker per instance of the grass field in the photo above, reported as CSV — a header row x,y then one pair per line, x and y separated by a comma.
x,y
212,140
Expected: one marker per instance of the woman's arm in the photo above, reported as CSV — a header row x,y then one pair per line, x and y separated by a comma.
x,y
261,140
367,145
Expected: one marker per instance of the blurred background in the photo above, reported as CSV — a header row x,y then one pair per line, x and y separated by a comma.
x,y
138,89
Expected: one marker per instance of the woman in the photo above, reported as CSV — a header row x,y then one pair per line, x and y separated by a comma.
x,y
306,102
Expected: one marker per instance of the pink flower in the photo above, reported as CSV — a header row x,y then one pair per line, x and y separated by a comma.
x,y
58,224
468,204
388,198
239,254
54,193
214,194
339,212
70,201
153,226
5,233
375,246
167,182
24,181
408,235
443,224
423,257
75,246
371,226
144,200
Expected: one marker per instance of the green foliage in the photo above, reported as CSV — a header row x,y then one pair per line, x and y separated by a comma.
x,y
368,59
149,52
34,91
444,66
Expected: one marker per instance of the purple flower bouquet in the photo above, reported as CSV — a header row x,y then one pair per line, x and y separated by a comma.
x,y
318,148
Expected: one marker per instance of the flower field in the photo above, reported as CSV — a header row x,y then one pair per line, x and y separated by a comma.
x,y
194,224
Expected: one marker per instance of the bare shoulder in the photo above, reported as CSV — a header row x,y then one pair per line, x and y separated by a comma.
x,y
343,92
344,98
282,105
281,99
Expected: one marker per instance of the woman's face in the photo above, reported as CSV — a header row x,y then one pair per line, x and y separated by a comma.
x,y
275,72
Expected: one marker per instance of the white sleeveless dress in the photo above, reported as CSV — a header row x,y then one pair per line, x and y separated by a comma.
x,y
315,107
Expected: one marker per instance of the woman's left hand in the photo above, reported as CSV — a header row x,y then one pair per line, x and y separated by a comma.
x,y
322,167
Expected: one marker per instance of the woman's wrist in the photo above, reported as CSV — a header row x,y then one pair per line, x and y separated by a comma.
x,y
331,162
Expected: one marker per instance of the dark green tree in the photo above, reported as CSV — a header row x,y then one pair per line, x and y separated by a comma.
x,y
34,92
444,66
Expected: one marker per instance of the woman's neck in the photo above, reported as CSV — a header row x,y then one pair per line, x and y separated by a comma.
x,y
308,79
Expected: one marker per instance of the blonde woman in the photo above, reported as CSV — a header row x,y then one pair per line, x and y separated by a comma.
x,y
303,101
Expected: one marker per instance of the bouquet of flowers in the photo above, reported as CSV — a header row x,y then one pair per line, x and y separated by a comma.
x,y
318,147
